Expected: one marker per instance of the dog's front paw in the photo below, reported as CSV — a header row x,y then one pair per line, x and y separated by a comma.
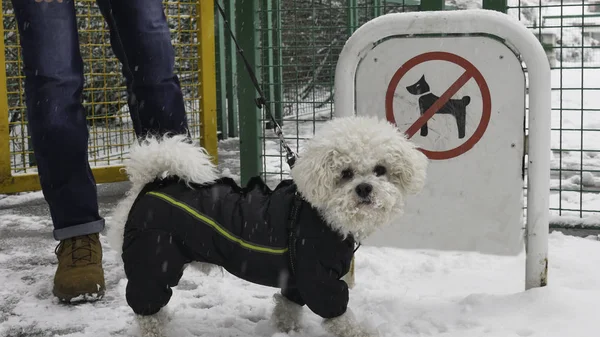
x,y
286,314
346,325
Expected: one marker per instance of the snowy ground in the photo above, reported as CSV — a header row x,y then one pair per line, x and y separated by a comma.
x,y
398,292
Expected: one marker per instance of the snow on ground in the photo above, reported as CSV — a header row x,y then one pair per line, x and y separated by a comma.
x,y
19,198
398,292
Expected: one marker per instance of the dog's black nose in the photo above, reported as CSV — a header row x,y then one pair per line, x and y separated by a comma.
x,y
363,190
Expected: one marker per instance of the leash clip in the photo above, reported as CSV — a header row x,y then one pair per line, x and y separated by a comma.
x,y
260,102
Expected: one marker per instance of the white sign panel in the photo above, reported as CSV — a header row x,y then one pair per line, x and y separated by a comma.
x,y
448,81
461,99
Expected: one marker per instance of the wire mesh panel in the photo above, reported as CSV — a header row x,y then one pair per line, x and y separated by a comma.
x,y
570,34
301,42
105,95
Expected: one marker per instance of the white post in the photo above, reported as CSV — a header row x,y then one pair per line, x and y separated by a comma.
x,y
538,176
524,43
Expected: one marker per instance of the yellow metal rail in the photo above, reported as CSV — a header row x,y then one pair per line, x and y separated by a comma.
x,y
111,131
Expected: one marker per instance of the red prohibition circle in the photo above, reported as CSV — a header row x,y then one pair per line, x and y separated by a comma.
x,y
470,72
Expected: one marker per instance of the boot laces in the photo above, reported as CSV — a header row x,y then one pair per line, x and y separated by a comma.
x,y
81,248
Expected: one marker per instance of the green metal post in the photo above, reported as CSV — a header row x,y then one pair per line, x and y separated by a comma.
x,y
221,78
268,49
352,15
250,131
432,5
231,74
496,5
278,64
377,10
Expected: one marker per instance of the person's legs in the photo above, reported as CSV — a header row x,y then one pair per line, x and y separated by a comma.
x,y
53,85
141,40
117,47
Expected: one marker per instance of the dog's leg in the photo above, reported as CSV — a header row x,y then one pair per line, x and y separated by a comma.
x,y
286,314
153,325
346,325
153,265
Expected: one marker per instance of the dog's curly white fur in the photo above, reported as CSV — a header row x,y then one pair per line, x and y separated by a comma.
x,y
356,171
359,146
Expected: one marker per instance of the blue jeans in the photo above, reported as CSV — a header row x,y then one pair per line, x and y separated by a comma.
x,y
53,67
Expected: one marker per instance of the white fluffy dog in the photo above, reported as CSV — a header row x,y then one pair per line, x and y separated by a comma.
x,y
351,179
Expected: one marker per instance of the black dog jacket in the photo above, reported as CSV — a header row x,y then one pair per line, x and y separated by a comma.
x,y
273,238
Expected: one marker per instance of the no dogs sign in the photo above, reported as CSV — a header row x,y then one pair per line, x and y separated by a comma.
x,y
454,83
456,97
431,104
461,100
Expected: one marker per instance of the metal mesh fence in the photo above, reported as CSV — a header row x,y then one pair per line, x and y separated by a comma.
x,y
307,37
104,96
569,33
313,32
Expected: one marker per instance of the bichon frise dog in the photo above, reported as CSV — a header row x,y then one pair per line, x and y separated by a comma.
x,y
351,179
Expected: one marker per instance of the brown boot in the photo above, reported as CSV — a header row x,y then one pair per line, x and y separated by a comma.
x,y
79,276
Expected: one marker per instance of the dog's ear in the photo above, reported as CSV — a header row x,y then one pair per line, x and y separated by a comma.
x,y
314,174
415,172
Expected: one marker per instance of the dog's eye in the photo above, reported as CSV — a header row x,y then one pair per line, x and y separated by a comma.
x,y
379,170
347,174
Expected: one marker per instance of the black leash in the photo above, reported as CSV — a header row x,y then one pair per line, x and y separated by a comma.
x,y
261,101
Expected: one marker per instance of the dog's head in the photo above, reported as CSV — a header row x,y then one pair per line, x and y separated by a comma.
x,y
419,88
357,172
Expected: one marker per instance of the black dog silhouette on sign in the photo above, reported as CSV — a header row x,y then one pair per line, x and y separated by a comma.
x,y
454,107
